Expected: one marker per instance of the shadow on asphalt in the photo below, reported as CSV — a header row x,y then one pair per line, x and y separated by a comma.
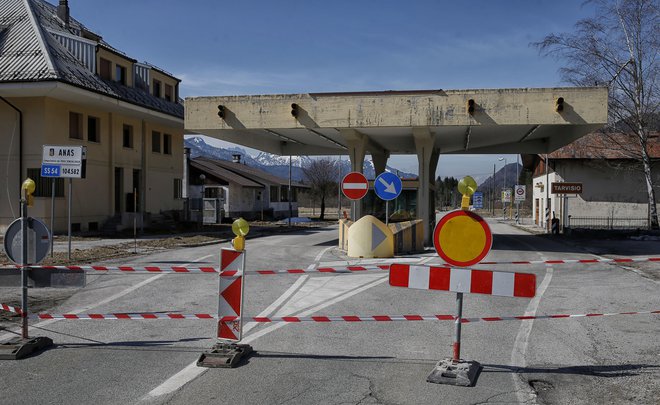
x,y
136,343
333,242
610,371
562,244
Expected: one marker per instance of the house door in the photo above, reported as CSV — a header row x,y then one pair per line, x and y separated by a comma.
x,y
119,187
536,212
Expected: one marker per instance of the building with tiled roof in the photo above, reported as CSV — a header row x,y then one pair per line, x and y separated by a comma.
x,y
608,165
242,190
62,84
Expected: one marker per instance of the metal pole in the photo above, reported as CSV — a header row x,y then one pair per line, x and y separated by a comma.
x,y
52,217
387,212
24,269
289,193
547,196
339,191
457,327
69,215
135,221
492,192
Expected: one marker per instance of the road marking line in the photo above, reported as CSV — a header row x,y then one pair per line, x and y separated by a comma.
x,y
191,371
273,307
87,308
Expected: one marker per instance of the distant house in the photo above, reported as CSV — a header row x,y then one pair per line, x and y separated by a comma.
x,y
62,84
614,194
241,190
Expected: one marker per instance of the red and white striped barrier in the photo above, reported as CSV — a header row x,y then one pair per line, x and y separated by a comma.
x,y
230,294
463,280
324,319
9,308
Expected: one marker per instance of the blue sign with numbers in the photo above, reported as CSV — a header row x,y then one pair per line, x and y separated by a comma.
x,y
478,200
388,186
50,170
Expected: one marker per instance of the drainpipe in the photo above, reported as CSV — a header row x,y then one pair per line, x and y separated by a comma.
x,y
20,140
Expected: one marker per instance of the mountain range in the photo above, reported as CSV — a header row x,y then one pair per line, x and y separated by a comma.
x,y
275,164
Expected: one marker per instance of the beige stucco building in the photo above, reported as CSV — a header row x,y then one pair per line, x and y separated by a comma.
x,y
62,84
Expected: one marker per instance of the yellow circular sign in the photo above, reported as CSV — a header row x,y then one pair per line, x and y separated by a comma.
x,y
462,238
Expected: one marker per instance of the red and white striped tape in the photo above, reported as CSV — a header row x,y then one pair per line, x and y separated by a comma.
x,y
323,319
9,308
188,270
585,261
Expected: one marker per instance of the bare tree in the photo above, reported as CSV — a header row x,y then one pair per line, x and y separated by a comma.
x,y
322,177
618,48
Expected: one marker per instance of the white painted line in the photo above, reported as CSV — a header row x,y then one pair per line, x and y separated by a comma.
x,y
191,371
354,186
321,253
88,308
273,307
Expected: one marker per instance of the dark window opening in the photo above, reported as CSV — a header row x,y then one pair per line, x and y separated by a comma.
x,y
156,86
155,141
128,136
105,69
167,144
120,74
75,227
178,188
93,226
93,129
75,125
168,92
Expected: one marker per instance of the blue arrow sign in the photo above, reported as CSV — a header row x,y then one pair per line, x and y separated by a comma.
x,y
388,186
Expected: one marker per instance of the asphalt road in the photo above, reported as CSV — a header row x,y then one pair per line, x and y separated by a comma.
x,y
580,360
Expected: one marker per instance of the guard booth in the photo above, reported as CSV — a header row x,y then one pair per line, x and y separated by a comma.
x,y
402,208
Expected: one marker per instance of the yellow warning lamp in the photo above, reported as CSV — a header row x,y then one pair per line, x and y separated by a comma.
x,y
240,227
466,186
28,188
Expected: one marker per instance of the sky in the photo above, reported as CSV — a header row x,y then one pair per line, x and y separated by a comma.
x,y
249,47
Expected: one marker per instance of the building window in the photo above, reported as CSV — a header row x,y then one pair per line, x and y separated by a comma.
x,y
75,125
155,141
168,92
167,144
156,86
120,74
44,185
128,136
273,194
178,188
105,69
93,129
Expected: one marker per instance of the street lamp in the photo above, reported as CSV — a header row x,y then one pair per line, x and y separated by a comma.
x,y
504,186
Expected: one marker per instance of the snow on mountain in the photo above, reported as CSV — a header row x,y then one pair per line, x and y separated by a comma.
x,y
275,164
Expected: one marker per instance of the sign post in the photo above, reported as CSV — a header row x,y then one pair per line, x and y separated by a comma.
x,y
520,195
63,162
388,187
354,186
30,253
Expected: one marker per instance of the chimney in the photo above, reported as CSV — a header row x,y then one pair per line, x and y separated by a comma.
x,y
63,12
236,158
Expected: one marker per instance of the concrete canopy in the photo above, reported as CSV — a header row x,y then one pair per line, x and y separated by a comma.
x,y
503,121
427,123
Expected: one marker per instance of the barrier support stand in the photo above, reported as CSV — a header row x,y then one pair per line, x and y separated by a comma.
x,y
455,371
21,347
228,352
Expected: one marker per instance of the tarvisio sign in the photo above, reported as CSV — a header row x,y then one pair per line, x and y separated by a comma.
x,y
566,188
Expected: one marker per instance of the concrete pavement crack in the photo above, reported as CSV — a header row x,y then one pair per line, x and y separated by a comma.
x,y
371,393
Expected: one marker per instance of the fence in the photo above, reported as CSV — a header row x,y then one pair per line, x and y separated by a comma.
x,y
612,223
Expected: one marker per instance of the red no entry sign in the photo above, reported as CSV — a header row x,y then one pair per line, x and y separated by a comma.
x,y
354,185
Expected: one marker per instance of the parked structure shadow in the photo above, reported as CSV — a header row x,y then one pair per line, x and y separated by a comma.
x,y
607,371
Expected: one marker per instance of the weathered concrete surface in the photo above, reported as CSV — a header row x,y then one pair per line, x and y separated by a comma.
x,y
503,120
